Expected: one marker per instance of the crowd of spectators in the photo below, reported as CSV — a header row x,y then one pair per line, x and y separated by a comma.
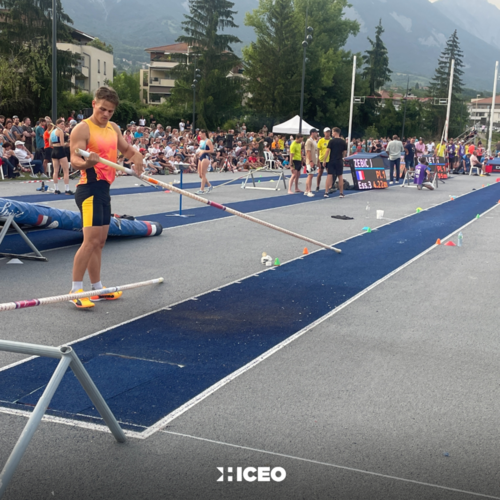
x,y
28,149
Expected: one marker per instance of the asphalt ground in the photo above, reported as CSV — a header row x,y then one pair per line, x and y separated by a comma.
x,y
395,395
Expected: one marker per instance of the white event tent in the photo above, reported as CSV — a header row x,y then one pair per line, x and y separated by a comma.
x,y
292,127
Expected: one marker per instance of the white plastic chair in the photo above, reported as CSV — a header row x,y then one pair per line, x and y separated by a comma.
x,y
270,161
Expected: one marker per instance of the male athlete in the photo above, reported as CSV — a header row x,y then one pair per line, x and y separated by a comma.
x,y
101,138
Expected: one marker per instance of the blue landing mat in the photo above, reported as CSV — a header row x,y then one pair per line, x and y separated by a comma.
x,y
221,331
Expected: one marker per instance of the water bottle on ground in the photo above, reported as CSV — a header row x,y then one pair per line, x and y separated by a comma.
x,y
367,209
460,239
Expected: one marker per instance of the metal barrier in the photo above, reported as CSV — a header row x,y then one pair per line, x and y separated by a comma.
x,y
68,358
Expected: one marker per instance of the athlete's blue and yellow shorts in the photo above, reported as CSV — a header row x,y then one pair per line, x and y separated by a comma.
x,y
94,201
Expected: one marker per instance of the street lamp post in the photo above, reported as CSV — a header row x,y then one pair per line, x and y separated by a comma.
x,y
196,79
54,61
408,90
305,43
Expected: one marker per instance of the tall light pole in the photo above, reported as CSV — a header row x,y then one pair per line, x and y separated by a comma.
x,y
305,43
196,79
493,103
351,110
477,110
450,91
54,61
406,101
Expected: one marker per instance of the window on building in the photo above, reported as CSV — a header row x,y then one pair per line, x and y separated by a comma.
x,y
104,67
98,65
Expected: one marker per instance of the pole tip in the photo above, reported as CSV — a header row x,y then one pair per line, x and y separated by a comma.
x,y
160,280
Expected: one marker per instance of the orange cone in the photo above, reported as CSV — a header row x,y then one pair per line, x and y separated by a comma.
x,y
305,252
438,242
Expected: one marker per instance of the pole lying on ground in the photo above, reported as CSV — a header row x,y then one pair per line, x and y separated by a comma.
x,y
22,304
171,187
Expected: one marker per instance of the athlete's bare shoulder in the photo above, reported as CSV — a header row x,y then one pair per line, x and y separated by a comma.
x,y
81,131
116,128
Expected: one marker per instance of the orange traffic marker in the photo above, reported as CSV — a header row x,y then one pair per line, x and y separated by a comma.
x,y
450,244
438,242
306,251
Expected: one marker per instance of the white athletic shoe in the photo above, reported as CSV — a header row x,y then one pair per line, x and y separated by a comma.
x,y
309,195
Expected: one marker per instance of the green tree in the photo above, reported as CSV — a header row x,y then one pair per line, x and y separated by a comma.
x,y
25,37
272,62
329,67
440,87
218,97
99,44
127,86
376,60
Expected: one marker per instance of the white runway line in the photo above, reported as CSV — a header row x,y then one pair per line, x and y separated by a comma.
x,y
335,466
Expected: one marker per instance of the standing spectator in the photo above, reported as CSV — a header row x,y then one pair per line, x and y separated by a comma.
x,y
79,116
47,150
59,159
152,121
7,132
28,134
394,150
420,148
311,160
264,130
440,150
17,129
182,126
229,140
39,142
480,152
451,150
295,163
337,149
409,155
142,121
323,158
244,129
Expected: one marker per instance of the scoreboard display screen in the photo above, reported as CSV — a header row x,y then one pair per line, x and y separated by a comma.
x,y
438,164
368,173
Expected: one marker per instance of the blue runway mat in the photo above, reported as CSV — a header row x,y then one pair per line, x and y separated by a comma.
x,y
199,342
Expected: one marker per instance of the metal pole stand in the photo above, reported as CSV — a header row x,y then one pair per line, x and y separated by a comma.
x,y
277,188
182,167
9,221
67,358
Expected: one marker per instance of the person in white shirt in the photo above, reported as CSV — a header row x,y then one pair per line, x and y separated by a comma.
x,y
142,121
182,126
25,157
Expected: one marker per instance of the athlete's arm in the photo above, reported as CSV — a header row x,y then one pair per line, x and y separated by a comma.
x,y
128,151
78,140
210,145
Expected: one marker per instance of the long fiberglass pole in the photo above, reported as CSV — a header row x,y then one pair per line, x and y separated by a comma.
x,y
352,103
492,112
448,110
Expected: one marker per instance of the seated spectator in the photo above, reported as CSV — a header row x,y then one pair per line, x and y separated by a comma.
x,y
474,162
8,166
25,157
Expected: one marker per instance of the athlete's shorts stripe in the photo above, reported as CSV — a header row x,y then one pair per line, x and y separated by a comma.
x,y
88,212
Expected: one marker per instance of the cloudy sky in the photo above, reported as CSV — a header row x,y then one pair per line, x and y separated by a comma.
x,y
494,2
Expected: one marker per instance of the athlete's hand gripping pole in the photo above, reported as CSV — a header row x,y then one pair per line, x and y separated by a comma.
x,y
182,192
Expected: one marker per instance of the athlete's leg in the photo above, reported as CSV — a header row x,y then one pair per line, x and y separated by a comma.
x,y
92,242
309,182
204,168
94,265
65,167
55,172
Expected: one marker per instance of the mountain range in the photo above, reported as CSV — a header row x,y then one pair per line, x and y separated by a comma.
x,y
415,31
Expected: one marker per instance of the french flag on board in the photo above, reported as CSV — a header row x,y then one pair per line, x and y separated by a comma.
x,y
361,175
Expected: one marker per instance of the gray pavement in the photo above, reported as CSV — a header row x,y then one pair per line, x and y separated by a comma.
x,y
389,385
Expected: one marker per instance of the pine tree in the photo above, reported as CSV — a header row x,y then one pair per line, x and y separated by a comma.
x,y
210,50
272,62
440,83
440,87
376,60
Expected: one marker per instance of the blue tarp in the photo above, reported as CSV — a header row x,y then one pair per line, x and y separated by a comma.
x,y
43,216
